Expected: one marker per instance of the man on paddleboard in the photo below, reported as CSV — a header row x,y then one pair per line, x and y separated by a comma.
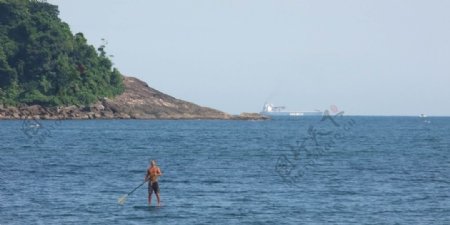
x,y
153,172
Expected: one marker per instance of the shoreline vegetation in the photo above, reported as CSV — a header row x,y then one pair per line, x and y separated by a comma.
x,y
47,72
43,63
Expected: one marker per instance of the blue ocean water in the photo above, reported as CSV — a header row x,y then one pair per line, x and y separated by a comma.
x,y
310,170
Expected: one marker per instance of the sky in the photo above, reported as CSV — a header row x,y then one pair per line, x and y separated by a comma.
x,y
372,57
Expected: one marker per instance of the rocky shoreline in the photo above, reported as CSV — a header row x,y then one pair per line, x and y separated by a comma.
x,y
139,101
99,111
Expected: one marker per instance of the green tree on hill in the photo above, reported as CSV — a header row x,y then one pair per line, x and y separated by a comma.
x,y
42,62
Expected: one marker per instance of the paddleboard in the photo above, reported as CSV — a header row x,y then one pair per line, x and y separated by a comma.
x,y
146,207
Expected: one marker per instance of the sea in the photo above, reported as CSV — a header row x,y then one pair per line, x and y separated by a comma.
x,y
333,169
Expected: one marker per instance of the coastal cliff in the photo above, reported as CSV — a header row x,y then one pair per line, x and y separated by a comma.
x,y
47,72
138,101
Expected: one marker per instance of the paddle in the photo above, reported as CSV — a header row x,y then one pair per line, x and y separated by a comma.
x,y
122,199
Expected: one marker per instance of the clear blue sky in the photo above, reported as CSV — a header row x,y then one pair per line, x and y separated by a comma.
x,y
374,57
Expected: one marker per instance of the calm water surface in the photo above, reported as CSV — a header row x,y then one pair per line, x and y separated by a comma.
x,y
350,170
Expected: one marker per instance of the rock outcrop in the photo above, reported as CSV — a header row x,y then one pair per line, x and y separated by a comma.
x,y
138,101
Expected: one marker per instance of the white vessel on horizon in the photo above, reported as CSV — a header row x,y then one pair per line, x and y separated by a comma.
x,y
274,111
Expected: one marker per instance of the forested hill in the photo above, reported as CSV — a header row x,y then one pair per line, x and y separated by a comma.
x,y
42,62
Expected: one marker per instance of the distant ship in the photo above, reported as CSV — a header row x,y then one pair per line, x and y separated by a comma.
x,y
275,111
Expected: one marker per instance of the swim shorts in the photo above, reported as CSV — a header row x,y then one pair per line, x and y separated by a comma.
x,y
153,187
